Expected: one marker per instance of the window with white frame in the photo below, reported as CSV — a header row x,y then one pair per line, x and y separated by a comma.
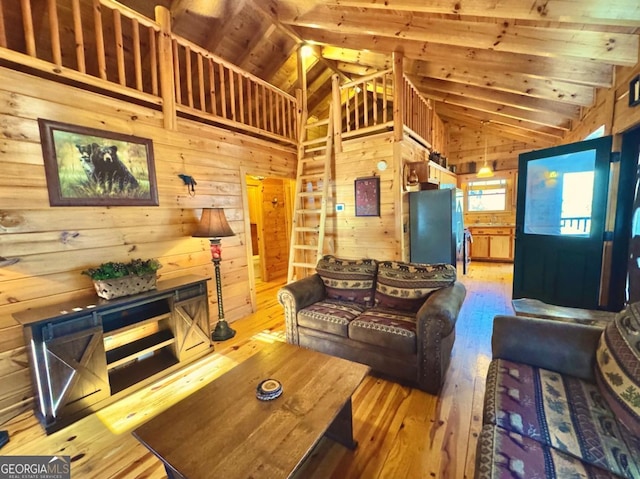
x,y
487,195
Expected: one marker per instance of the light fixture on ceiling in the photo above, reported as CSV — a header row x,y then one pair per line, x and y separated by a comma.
x,y
485,171
307,51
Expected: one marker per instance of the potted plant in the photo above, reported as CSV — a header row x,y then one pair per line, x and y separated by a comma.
x,y
114,279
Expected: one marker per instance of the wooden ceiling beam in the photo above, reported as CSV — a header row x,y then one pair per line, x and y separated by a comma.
x,y
211,8
546,89
290,32
477,116
349,48
506,36
593,12
546,119
224,26
255,41
494,96
556,124
537,141
472,75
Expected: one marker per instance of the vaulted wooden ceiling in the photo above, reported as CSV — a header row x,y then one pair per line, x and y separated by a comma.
x,y
523,67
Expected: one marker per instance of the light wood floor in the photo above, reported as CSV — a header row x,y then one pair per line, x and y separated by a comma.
x,y
402,432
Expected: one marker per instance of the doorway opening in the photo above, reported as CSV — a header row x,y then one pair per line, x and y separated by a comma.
x,y
270,215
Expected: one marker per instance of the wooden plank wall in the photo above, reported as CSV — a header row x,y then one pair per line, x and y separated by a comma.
x,y
365,236
611,109
467,145
55,244
440,136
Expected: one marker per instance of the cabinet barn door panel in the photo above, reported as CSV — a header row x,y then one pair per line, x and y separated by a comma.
x,y
192,329
77,371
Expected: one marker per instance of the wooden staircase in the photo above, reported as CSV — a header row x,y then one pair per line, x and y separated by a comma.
x,y
310,206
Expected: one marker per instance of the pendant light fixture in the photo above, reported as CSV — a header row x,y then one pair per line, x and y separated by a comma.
x,y
485,171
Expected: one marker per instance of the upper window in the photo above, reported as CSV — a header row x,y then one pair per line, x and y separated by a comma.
x,y
487,195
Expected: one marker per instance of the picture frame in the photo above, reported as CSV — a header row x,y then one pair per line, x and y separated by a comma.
x,y
367,196
91,167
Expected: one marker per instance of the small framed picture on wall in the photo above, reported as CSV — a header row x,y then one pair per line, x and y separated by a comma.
x,y
367,192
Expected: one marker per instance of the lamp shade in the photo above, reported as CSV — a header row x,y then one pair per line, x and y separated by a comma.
x,y
485,172
213,224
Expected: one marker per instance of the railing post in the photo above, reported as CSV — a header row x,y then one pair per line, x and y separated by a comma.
x,y
398,96
167,87
337,113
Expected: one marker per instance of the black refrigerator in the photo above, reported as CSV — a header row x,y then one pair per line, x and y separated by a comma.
x,y
437,227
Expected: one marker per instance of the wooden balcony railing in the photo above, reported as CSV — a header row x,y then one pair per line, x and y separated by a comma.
x,y
206,86
417,112
107,45
366,104
386,100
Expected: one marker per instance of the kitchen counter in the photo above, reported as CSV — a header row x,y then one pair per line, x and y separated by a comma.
x,y
490,225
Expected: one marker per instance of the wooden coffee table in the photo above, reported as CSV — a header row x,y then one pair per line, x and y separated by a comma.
x,y
223,430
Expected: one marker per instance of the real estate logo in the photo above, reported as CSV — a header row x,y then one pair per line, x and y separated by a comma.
x,y
35,467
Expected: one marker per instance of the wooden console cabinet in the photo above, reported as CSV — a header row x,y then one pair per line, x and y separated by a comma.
x,y
86,353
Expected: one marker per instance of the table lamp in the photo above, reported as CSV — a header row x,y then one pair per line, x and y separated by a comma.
x,y
213,225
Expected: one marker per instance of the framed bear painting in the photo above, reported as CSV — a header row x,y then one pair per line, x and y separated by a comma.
x,y
90,167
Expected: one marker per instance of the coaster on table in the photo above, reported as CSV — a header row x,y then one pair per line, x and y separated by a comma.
x,y
268,389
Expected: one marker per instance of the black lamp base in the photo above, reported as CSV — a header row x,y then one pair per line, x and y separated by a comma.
x,y
222,331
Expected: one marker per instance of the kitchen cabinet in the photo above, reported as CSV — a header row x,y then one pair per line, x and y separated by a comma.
x,y
492,243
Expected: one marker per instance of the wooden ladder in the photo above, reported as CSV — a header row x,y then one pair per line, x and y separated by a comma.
x,y
310,206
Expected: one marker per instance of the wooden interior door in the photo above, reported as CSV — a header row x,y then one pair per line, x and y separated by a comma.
x,y
76,366
274,226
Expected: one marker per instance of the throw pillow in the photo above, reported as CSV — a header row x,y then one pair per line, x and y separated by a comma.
x,y
617,367
348,280
405,286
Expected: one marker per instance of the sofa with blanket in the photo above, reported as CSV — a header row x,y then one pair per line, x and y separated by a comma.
x,y
562,400
398,318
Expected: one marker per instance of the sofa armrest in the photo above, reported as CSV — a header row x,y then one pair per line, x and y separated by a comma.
x,y
564,347
296,296
436,321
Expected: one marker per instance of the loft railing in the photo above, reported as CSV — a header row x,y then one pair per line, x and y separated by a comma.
x,y
367,103
417,112
206,86
107,45
386,100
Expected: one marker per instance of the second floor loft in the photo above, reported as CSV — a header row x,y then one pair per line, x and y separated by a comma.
x,y
267,67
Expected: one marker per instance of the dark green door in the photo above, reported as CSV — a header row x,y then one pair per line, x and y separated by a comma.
x,y
560,222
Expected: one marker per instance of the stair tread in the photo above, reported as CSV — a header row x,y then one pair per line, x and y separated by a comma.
x,y
317,123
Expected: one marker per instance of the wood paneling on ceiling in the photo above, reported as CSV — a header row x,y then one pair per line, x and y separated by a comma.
x,y
524,68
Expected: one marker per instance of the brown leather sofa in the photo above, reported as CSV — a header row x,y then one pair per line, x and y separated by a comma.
x,y
398,318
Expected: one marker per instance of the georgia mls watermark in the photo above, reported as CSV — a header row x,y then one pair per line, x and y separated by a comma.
x,y
35,467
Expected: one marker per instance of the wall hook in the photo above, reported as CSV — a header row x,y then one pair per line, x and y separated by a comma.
x,y
190,183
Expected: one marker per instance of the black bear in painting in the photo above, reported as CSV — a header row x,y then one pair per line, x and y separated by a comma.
x,y
105,168
85,160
